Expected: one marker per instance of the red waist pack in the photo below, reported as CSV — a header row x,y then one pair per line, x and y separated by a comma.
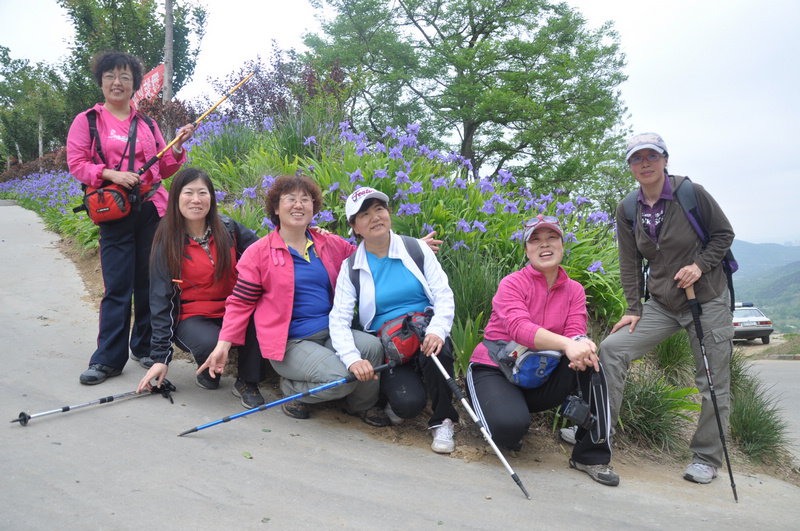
x,y
399,341
113,202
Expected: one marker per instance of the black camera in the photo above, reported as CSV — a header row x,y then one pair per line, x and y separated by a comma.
x,y
577,410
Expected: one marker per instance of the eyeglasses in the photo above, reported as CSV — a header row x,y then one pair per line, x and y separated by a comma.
x,y
533,222
652,157
291,200
123,78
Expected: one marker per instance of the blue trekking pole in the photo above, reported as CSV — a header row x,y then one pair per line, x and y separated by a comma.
x,y
349,378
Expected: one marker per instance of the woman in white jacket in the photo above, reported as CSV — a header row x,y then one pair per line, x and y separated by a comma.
x,y
390,285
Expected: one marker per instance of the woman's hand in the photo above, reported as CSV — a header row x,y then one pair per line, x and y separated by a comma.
x,y
183,135
126,179
432,344
625,321
688,275
582,355
215,363
363,371
433,244
158,370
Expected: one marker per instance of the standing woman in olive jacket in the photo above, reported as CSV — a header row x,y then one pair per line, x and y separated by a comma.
x,y
192,272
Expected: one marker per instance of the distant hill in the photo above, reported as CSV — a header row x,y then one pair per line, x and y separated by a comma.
x,y
757,258
769,277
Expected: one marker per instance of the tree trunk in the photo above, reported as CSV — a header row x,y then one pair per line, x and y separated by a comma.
x,y
41,151
168,64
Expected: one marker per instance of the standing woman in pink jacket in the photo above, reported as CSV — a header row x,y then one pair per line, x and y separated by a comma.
x,y
124,141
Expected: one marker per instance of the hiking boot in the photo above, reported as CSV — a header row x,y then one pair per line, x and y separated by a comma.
x,y
205,380
296,410
443,437
97,373
392,415
700,473
600,473
373,416
145,361
249,393
568,434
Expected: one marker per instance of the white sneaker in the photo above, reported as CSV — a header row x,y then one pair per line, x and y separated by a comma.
x,y
700,473
568,434
443,437
391,414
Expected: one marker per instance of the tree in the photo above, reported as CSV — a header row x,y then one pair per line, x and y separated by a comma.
x,y
136,27
30,95
522,84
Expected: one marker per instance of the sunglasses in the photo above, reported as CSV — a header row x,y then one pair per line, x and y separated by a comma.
x,y
533,222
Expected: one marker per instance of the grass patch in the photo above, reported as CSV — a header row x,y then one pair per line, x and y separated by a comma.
x,y
653,411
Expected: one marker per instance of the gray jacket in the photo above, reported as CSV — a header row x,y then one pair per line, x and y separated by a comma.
x,y
678,246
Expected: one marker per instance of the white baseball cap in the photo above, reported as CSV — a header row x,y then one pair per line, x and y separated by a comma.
x,y
358,197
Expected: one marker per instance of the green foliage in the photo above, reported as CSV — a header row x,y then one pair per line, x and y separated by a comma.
x,y
756,423
675,358
653,411
27,93
466,334
523,85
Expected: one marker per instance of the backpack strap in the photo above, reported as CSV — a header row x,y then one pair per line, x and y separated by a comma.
x,y
413,248
229,224
91,116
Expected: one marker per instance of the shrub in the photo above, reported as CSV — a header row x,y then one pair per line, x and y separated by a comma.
x,y
674,356
652,411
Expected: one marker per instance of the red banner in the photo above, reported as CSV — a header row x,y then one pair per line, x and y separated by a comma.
x,y
151,85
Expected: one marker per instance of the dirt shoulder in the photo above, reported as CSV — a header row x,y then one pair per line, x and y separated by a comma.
x,y
541,446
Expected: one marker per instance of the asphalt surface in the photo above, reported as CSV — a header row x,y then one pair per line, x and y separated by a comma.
x,y
122,466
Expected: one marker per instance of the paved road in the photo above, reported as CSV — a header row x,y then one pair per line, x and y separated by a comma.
x,y
121,465
781,377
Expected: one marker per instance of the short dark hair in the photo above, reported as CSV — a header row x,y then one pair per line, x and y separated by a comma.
x,y
286,184
109,61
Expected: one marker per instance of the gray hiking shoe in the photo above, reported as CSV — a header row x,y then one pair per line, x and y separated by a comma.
x,y
600,473
700,473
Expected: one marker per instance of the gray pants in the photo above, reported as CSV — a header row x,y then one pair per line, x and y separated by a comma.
x,y
618,350
310,362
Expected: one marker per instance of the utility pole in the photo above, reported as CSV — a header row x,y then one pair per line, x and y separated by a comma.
x,y
169,69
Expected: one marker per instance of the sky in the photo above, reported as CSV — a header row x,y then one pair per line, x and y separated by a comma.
x,y
718,80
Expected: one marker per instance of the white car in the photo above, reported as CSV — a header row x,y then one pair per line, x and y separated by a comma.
x,y
750,323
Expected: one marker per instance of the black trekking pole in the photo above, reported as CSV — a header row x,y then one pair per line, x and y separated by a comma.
x,y
349,378
695,307
155,159
457,391
165,390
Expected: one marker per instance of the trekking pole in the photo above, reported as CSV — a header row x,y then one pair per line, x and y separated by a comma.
x,y
695,307
349,378
457,391
195,123
165,390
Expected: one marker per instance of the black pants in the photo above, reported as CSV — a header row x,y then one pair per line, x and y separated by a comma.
x,y
505,408
125,262
407,388
198,336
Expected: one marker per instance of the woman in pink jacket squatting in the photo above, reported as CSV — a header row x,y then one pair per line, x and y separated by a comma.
x,y
286,281
540,307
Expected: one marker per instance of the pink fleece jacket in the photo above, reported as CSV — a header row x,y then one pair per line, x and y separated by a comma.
x,y
86,166
523,304
266,287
